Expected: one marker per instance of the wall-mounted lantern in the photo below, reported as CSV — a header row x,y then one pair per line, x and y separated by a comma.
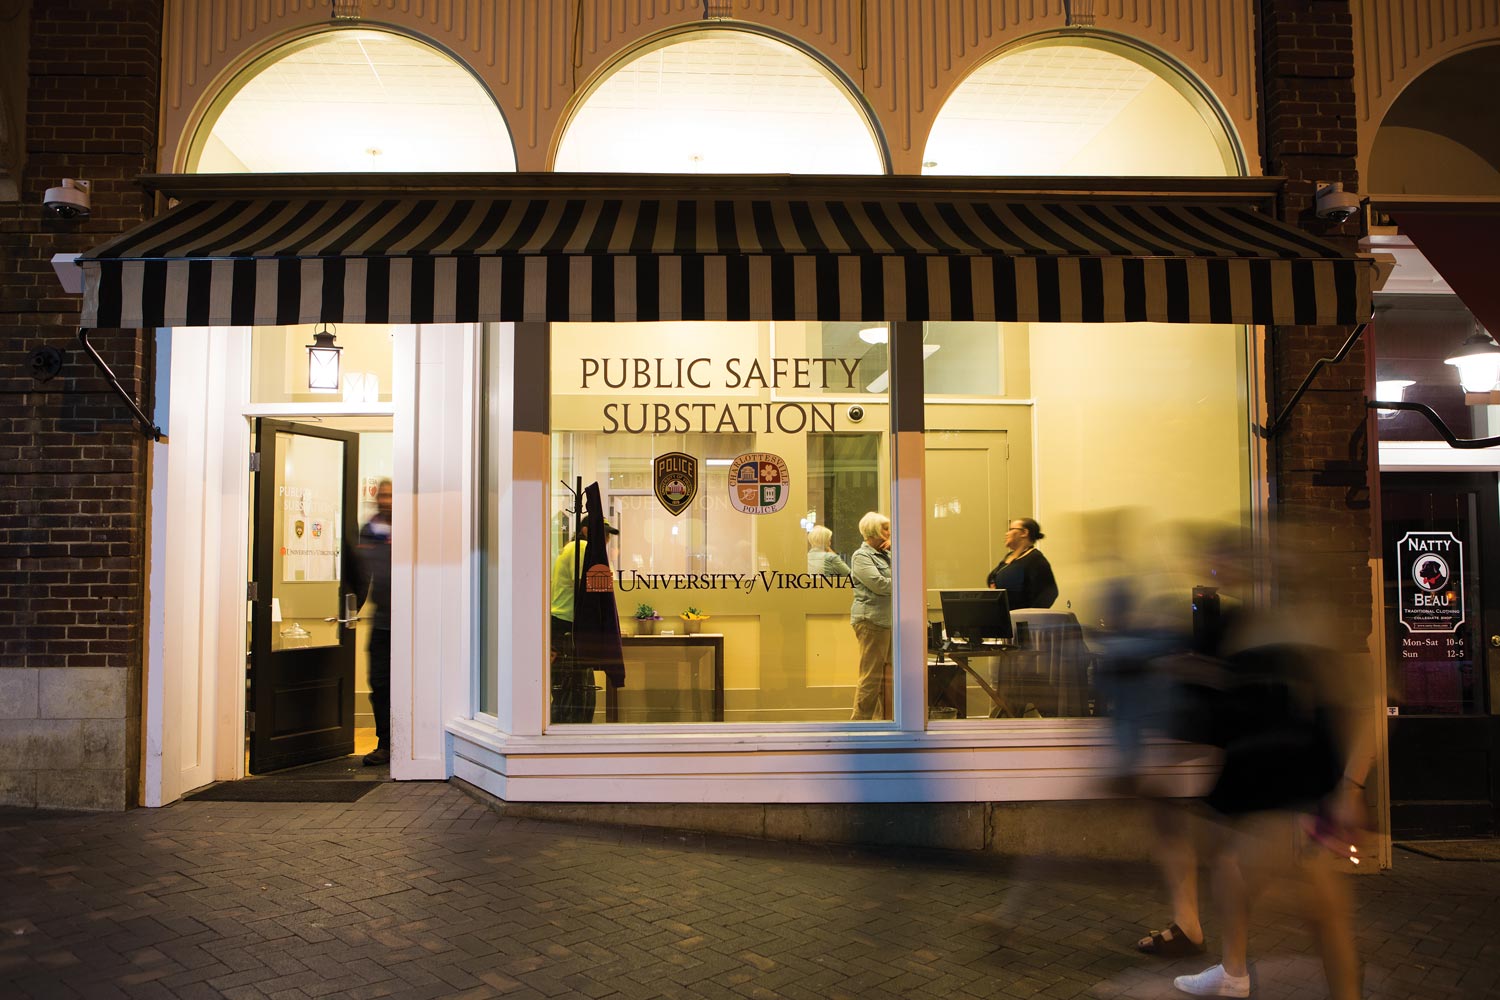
x,y
323,361
1477,361
1391,390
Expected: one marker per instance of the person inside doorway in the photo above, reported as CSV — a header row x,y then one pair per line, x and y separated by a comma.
x,y
374,586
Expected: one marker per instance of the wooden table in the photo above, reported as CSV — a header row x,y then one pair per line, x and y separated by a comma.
x,y
702,640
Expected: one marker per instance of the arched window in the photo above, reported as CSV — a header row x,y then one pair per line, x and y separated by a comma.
x,y
353,101
724,102
1442,136
1068,106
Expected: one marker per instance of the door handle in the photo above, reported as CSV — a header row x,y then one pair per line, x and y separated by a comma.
x,y
351,612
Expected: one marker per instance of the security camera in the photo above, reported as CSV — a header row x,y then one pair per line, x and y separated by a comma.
x,y
69,200
1335,204
856,413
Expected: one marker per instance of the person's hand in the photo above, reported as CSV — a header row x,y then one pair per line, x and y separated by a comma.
x,y
1346,808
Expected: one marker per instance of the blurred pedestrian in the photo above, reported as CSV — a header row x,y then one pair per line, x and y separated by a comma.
x,y
373,584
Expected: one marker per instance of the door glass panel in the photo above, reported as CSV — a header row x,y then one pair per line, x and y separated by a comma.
x,y
1432,601
308,537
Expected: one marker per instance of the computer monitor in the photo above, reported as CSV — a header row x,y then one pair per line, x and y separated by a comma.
x,y
973,616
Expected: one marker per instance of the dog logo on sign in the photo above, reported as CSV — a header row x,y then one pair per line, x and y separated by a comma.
x,y
676,477
759,483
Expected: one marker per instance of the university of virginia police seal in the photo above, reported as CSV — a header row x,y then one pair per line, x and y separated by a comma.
x,y
676,480
758,483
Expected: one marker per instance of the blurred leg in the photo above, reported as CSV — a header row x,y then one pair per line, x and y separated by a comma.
x,y
1329,910
1232,895
1177,856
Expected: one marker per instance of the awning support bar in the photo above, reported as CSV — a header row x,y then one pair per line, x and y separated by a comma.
x,y
147,427
1437,422
1275,426
1454,441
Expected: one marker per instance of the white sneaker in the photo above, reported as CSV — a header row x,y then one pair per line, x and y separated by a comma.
x,y
1214,982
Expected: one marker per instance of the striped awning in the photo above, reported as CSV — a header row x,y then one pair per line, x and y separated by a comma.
x,y
565,255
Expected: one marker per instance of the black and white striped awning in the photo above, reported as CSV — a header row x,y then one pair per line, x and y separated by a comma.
x,y
561,255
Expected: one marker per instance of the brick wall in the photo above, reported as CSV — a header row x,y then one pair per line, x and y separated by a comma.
x,y
72,464
1321,476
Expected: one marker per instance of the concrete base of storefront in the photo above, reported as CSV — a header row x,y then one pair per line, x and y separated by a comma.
x,y
1111,829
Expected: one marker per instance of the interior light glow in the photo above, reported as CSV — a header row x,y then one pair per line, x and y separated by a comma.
x,y
323,361
1390,391
1478,361
875,335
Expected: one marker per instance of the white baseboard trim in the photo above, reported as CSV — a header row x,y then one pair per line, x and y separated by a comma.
x,y
977,764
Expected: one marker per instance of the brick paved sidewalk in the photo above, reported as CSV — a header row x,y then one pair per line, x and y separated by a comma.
x,y
418,891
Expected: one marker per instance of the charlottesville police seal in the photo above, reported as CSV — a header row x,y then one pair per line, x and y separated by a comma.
x,y
758,483
676,480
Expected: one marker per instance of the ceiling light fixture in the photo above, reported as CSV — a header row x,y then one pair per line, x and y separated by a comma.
x,y
875,335
1477,360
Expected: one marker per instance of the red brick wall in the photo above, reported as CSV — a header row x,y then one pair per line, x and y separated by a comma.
x,y
1320,470
72,464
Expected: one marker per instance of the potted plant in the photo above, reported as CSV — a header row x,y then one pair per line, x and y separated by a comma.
x,y
692,621
646,619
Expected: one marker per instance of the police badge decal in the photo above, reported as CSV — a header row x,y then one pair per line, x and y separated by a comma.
x,y
676,480
758,483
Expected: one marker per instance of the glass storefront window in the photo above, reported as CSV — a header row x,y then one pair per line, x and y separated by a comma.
x,y
1414,336
719,450
1128,445
279,365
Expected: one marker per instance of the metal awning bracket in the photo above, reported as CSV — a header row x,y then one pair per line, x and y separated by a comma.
x,y
147,427
1453,440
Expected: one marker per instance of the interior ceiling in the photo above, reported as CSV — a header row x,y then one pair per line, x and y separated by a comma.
x,y
1054,84
725,102
361,101
372,101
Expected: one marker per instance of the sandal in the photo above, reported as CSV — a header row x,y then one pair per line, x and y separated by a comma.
x,y
1169,943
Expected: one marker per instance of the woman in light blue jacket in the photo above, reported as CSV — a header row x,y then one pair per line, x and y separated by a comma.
x,y
871,616
820,555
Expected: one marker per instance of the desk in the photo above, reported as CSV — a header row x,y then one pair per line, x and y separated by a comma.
x,y
1012,664
693,701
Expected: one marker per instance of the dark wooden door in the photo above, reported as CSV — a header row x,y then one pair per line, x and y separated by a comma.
x,y
1441,532
302,647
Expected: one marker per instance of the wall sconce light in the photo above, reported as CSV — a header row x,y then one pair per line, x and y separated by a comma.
x,y
1477,361
323,360
1390,391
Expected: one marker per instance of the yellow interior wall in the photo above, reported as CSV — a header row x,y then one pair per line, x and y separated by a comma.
x,y
278,366
1144,416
